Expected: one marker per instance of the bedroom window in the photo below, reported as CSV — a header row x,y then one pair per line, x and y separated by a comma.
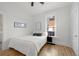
x,y
51,26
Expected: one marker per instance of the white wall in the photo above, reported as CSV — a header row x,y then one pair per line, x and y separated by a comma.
x,y
63,24
11,13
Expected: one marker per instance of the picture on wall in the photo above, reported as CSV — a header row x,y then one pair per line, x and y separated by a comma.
x,y
19,25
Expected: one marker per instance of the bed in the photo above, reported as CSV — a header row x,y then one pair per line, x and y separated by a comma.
x,y
28,45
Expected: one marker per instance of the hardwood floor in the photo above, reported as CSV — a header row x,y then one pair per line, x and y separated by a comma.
x,y
10,52
56,50
47,50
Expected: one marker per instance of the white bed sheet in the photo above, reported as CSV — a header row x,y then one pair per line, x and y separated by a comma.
x,y
28,45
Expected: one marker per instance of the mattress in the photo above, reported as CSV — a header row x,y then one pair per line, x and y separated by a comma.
x,y
28,45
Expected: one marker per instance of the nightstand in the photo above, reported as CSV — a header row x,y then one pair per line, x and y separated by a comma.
x,y
50,40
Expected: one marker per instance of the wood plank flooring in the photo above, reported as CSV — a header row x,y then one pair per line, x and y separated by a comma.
x,y
56,50
10,52
47,50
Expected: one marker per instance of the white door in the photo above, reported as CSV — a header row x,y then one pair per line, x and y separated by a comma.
x,y
75,28
0,31
78,29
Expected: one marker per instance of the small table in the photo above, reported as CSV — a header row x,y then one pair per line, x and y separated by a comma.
x,y
50,39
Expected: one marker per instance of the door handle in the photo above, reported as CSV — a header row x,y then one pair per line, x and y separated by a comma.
x,y
75,35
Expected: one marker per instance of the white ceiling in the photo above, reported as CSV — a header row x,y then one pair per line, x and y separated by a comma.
x,y
38,8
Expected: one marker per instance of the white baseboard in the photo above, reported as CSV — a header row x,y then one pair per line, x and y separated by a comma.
x,y
64,44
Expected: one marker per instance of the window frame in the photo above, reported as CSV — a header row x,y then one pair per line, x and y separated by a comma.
x,y
54,27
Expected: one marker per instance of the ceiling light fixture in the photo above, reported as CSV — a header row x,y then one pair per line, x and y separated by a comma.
x,y
32,3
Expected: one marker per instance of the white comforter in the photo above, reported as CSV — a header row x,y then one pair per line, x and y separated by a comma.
x,y
29,45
